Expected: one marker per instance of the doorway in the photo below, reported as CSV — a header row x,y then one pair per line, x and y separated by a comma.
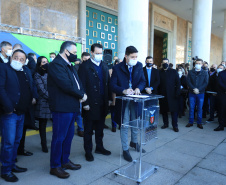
x,y
160,46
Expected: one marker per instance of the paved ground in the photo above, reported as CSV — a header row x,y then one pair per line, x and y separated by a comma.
x,y
192,156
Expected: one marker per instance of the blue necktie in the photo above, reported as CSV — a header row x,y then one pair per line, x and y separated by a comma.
x,y
149,76
130,76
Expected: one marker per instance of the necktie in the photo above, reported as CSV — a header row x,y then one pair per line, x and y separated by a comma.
x,y
130,76
149,76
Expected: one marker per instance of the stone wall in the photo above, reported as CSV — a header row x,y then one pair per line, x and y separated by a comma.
x,y
216,50
53,15
181,40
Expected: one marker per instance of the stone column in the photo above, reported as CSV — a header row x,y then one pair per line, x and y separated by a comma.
x,y
224,39
201,28
133,27
82,23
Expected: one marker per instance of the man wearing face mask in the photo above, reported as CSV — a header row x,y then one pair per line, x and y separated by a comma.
x,y
152,77
220,98
212,87
170,88
16,93
128,78
197,81
6,52
65,94
52,56
95,80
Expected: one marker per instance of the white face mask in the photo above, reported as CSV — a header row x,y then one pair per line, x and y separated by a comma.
x,y
198,66
180,73
16,65
219,70
98,57
132,62
9,53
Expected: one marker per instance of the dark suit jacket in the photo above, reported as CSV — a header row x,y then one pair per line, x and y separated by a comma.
x,y
91,83
120,81
10,87
63,90
120,78
31,65
154,79
221,88
170,92
212,85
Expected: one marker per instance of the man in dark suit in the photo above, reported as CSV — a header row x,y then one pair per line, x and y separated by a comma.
x,y
65,94
95,80
170,88
152,77
16,93
221,97
6,51
128,78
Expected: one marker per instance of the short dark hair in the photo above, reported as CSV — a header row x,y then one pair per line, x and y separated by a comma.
x,y
165,59
5,43
85,54
52,53
96,45
66,45
130,50
206,62
20,51
148,57
198,59
31,54
170,65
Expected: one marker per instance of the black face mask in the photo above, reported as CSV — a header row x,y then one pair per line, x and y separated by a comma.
x,y
149,64
45,67
71,57
212,69
165,66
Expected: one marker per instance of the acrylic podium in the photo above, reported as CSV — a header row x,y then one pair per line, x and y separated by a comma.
x,y
139,118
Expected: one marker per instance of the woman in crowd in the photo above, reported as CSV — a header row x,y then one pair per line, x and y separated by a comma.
x,y
42,111
184,91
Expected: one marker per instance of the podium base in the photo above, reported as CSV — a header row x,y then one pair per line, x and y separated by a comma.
x,y
136,171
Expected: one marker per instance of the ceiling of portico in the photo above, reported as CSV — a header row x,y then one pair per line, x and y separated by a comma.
x,y
183,9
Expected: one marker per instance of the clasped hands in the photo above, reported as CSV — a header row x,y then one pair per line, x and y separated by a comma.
x,y
131,91
196,91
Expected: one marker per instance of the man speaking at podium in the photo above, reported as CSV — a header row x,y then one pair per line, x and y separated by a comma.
x,y
128,78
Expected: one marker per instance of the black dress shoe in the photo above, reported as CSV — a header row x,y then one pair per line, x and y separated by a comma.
x,y
71,166
113,129
136,146
200,126
89,157
45,148
102,151
127,156
25,153
18,169
219,129
189,125
105,126
164,126
10,177
81,133
210,120
59,172
176,129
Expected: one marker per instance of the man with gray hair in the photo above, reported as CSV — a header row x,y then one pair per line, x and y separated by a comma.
x,y
65,95
6,52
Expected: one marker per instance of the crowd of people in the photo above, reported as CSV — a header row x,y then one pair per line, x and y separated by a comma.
x,y
68,90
